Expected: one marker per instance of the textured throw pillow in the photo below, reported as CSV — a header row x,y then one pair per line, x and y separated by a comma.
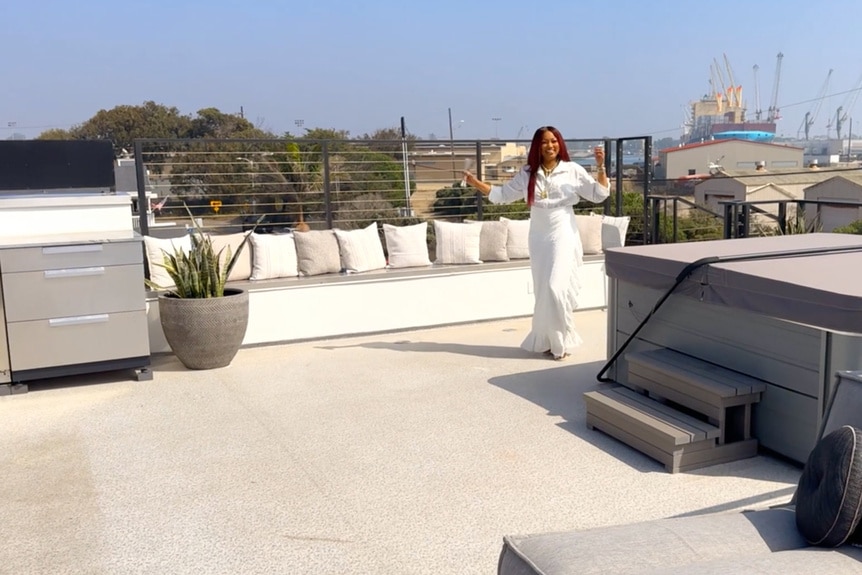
x,y
457,243
242,268
273,256
155,248
614,230
517,238
829,495
492,241
407,245
361,250
317,252
590,230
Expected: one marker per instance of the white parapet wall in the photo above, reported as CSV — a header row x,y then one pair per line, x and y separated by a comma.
x,y
313,308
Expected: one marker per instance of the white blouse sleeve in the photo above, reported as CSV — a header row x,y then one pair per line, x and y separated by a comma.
x,y
582,185
511,191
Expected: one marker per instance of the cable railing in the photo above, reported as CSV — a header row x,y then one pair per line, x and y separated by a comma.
x,y
742,219
679,219
287,184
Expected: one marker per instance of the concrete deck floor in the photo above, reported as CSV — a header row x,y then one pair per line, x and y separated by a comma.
x,y
403,453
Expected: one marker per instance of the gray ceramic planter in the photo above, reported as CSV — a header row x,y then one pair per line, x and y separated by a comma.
x,y
205,333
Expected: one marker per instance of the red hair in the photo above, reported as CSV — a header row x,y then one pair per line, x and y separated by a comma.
x,y
534,158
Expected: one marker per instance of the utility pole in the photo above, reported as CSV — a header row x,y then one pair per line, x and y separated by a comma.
x,y
496,123
408,212
452,143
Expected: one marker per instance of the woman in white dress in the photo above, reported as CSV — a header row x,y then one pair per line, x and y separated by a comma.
x,y
552,184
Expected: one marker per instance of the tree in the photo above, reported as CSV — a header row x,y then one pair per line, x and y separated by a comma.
x,y
55,134
123,124
387,140
213,123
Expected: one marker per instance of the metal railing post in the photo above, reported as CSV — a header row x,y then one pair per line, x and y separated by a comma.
x,y
800,213
745,224
327,196
675,219
141,181
782,217
647,178
479,195
656,236
728,221
606,205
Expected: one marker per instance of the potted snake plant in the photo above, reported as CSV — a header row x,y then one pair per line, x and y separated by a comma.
x,y
204,322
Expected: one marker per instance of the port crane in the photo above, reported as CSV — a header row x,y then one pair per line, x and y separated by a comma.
x,y
734,92
716,81
811,115
773,113
844,110
757,111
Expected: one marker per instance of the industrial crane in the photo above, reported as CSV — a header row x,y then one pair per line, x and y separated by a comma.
x,y
734,91
757,111
811,115
718,82
844,110
773,112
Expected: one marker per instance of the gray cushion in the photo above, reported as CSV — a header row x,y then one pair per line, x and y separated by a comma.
x,y
653,545
829,496
492,241
317,252
807,561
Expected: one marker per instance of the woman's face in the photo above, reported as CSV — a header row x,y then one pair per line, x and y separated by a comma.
x,y
550,147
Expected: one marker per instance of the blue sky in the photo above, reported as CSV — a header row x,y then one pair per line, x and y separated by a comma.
x,y
593,69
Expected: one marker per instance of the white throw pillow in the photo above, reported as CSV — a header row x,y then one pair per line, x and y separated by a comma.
x,y
517,238
590,230
492,241
242,268
457,243
407,245
614,230
155,249
273,256
361,250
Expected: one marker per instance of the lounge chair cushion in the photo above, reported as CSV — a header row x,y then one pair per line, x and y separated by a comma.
x,y
829,496
654,546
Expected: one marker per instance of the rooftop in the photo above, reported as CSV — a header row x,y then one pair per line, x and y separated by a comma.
x,y
402,453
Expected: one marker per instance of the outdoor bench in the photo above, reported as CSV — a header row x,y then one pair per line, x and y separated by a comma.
x,y
340,304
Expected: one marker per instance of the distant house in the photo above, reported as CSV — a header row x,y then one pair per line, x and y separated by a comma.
x,y
758,185
731,155
839,188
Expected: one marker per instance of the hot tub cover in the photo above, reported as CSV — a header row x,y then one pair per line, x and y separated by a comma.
x,y
815,279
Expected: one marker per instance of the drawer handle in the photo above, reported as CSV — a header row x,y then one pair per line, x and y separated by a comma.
x,y
82,248
78,320
75,272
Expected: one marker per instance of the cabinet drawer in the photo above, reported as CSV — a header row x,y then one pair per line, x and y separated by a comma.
x,y
37,258
74,340
73,291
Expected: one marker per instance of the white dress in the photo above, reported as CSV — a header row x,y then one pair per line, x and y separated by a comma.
x,y
556,251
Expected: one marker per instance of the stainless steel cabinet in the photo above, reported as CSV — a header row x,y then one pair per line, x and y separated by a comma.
x,y
73,308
